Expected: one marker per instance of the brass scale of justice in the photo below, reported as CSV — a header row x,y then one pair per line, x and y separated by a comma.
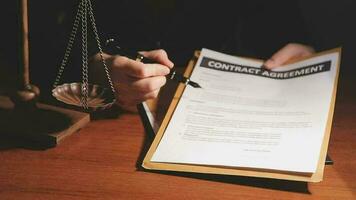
x,y
92,96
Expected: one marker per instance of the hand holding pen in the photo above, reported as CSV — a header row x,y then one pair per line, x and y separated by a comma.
x,y
113,47
134,80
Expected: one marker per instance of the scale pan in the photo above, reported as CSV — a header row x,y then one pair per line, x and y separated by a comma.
x,y
71,93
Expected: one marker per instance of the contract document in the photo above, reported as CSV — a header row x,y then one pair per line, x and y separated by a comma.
x,y
245,116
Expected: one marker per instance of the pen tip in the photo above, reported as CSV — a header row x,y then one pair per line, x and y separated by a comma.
x,y
194,84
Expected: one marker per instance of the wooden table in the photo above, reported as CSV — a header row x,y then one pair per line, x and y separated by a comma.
x,y
101,162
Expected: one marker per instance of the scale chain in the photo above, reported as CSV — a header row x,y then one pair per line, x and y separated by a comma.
x,y
69,45
84,9
84,55
95,30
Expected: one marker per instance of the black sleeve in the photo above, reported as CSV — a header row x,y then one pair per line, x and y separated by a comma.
x,y
263,27
248,28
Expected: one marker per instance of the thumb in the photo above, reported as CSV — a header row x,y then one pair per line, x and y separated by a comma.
x,y
158,55
287,53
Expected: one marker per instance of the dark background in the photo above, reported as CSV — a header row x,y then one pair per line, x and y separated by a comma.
x,y
329,24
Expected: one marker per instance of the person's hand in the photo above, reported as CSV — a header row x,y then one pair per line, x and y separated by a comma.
x,y
288,53
136,82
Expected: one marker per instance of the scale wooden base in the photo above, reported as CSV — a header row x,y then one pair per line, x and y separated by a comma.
x,y
43,127
30,123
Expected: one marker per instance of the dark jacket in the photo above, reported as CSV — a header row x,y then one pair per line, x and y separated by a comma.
x,y
247,28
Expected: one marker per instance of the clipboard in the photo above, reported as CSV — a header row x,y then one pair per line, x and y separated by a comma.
x,y
238,171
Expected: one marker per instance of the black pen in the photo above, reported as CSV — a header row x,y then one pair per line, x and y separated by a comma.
x,y
113,48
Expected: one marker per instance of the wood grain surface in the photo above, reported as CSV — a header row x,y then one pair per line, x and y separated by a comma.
x,y
101,162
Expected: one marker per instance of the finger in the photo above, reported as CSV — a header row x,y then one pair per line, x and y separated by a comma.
x,y
124,65
128,101
143,97
288,53
158,55
148,84
151,95
127,105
